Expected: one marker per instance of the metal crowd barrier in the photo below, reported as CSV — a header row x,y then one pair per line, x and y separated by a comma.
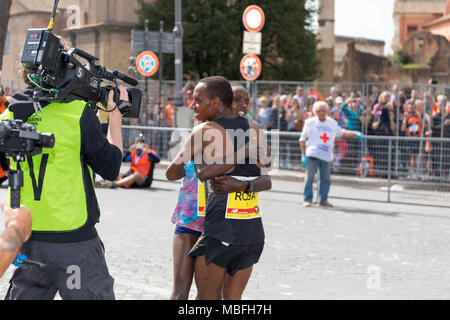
x,y
393,169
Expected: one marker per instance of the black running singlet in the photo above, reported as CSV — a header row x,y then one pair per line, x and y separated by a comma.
x,y
229,228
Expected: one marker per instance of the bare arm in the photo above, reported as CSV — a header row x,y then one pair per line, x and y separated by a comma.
x,y
348,134
376,124
210,171
393,125
227,184
303,147
133,147
175,171
403,127
288,116
263,183
18,230
193,148
256,149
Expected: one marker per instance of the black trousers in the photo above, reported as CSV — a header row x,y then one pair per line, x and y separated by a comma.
x,y
78,271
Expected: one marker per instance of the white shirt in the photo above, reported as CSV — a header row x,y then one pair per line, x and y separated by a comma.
x,y
320,136
299,100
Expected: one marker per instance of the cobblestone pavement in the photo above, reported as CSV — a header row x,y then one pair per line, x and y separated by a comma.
x,y
356,250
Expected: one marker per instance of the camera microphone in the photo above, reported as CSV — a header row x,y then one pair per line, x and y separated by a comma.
x,y
125,78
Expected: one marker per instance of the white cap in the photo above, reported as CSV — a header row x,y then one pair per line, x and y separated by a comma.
x,y
339,100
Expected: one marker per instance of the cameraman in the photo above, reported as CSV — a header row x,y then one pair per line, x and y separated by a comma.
x,y
59,191
383,125
18,230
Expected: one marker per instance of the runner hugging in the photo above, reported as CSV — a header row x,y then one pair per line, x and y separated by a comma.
x,y
233,237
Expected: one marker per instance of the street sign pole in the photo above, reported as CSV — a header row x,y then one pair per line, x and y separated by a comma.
x,y
253,20
146,79
178,32
162,42
161,30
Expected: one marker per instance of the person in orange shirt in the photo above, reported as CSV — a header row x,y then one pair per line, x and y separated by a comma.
x,y
3,100
412,125
430,105
8,94
140,175
189,98
314,94
169,112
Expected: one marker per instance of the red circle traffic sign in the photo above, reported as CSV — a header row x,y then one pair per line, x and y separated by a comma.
x,y
147,63
253,18
250,67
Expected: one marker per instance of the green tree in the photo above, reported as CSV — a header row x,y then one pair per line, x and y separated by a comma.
x,y
213,31
402,57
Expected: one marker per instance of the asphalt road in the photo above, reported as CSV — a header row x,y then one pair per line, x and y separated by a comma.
x,y
356,250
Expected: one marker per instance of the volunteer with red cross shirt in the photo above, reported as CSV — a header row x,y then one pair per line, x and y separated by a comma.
x,y
317,144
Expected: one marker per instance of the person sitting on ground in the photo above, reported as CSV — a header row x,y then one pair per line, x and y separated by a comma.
x,y
140,175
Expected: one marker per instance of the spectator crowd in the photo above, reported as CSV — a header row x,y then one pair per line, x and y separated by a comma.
x,y
398,112
408,112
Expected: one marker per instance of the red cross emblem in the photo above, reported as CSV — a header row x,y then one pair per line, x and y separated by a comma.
x,y
325,138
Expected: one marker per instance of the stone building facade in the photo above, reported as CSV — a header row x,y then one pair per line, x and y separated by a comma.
x,y
440,26
374,47
415,15
325,48
100,27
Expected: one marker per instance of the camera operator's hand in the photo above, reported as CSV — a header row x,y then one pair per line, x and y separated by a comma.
x,y
123,95
19,218
115,118
18,230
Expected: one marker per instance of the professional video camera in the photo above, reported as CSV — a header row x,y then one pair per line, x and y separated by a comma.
x,y
17,140
59,76
20,139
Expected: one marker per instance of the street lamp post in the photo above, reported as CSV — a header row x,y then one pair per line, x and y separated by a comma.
x,y
178,32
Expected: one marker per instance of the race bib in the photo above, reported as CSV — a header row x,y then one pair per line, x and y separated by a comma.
x,y
201,199
243,205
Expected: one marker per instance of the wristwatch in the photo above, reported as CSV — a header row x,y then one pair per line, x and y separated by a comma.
x,y
251,186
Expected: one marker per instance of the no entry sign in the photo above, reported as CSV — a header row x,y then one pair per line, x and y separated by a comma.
x,y
253,18
250,67
147,63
